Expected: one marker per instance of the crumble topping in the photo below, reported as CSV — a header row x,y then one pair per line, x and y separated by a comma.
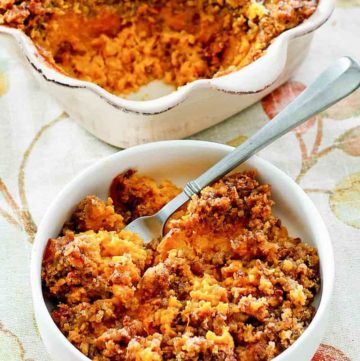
x,y
226,282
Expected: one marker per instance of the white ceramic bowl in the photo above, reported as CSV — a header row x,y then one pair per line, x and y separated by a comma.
x,y
181,161
191,108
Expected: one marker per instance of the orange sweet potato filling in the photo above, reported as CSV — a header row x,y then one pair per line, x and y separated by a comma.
x,y
226,282
122,45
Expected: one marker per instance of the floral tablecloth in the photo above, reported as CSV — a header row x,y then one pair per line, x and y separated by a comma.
x,y
41,149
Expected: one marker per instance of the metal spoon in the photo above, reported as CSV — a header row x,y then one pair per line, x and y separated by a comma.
x,y
335,83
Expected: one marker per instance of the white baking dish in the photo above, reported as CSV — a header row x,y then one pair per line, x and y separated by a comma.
x,y
180,161
191,108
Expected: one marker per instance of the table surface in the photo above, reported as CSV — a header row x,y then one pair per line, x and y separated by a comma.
x,y
41,149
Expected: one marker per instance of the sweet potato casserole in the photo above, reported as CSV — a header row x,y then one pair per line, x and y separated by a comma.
x,y
122,45
226,282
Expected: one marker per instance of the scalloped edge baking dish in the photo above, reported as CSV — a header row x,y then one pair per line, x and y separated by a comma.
x,y
189,109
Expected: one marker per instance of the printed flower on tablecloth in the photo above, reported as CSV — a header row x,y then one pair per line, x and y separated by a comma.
x,y
329,353
349,142
15,214
347,3
3,83
11,348
276,101
346,108
345,200
237,141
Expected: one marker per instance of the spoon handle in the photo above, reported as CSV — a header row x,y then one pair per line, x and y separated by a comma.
x,y
335,83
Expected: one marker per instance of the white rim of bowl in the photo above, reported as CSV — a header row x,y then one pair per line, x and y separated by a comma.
x,y
270,65
327,268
